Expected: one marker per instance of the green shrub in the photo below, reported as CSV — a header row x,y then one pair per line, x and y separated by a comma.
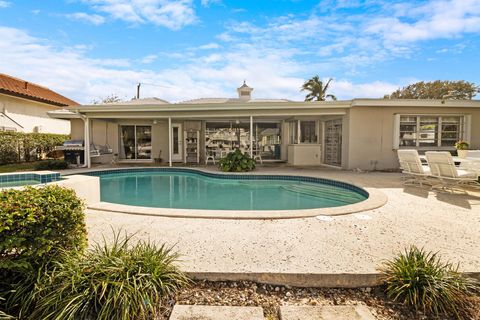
x,y
421,280
51,165
119,281
237,161
35,223
19,146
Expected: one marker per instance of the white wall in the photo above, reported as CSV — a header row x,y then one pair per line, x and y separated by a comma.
x,y
31,115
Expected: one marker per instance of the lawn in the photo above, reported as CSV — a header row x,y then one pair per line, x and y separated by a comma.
x,y
15,167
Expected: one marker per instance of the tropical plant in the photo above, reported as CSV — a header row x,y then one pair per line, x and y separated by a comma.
x,y
450,90
420,279
317,91
237,161
119,281
462,145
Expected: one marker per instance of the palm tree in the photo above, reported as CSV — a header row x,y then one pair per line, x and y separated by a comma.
x,y
317,91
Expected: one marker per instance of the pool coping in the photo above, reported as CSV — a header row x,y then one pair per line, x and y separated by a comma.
x,y
375,200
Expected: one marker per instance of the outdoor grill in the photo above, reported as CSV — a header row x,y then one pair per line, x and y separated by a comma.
x,y
73,151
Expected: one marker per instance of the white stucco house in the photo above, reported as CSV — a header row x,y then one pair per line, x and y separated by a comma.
x,y
24,106
349,134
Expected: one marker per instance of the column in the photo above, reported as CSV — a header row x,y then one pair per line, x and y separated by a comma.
x,y
170,141
87,142
251,136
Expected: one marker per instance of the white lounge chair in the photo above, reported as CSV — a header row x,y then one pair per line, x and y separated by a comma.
x,y
411,165
443,167
473,161
473,154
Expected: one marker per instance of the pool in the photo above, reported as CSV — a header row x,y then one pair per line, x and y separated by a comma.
x,y
193,189
10,180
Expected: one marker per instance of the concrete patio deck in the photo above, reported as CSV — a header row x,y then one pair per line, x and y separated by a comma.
x,y
350,244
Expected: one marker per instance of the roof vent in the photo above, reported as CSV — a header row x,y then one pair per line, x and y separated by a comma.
x,y
26,85
244,92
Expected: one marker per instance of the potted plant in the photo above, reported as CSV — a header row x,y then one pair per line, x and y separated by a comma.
x,y
462,148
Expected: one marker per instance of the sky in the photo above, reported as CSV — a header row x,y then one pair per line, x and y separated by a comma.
x,y
186,49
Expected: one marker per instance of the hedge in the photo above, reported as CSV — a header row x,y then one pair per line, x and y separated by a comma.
x,y
19,146
38,223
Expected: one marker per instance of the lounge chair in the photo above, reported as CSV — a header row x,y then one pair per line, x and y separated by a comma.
x,y
411,165
443,167
473,154
469,164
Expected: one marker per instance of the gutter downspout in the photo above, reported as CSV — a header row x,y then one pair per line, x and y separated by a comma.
x,y
86,133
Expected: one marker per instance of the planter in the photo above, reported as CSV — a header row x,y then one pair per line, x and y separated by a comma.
x,y
462,153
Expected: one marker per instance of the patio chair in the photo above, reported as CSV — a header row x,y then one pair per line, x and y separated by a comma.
x,y
256,155
411,165
472,162
209,155
443,167
473,154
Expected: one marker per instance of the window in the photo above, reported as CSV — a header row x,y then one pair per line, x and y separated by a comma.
x,y
306,131
427,131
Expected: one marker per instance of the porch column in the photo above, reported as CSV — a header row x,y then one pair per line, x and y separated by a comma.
x,y
251,136
170,141
299,131
87,161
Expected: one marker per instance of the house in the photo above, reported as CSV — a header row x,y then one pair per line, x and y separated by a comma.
x,y
358,133
24,106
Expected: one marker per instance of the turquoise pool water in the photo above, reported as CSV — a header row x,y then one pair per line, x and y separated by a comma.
x,y
18,179
11,184
189,189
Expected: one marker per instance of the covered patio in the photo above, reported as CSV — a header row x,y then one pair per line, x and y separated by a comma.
x,y
168,134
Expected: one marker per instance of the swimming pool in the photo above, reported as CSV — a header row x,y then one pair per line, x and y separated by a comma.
x,y
19,179
192,189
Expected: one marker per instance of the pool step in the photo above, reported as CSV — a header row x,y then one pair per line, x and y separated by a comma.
x,y
333,190
324,193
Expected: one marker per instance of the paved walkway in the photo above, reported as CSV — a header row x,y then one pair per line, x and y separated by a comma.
x,y
354,243
195,312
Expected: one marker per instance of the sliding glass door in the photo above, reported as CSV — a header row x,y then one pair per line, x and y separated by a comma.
x,y
135,142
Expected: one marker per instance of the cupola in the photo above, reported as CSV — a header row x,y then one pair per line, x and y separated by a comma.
x,y
244,92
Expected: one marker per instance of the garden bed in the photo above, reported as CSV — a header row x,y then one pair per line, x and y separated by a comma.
x,y
271,297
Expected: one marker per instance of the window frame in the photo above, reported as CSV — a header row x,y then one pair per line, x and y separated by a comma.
x,y
464,127
295,131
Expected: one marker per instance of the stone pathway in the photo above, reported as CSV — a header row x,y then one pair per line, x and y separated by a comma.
x,y
186,312
325,313
197,312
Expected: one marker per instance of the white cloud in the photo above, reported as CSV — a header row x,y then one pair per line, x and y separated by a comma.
x,y
94,19
149,59
433,20
207,3
173,14
348,90
4,4
208,46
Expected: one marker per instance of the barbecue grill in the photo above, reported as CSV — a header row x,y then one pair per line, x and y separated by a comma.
x,y
73,151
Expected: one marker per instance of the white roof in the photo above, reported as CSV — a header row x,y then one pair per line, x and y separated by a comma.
x,y
230,100
150,101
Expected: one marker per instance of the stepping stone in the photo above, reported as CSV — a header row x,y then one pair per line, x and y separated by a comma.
x,y
188,312
325,313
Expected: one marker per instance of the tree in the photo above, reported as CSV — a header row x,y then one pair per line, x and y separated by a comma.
x,y
317,91
113,98
451,90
